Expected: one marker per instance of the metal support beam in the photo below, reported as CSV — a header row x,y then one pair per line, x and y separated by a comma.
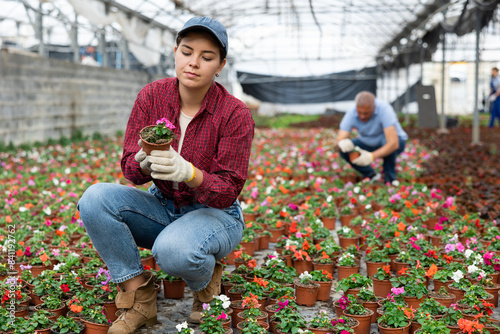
x,y
475,124
39,30
125,53
443,63
74,41
102,48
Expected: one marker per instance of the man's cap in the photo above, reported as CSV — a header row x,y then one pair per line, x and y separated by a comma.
x,y
212,26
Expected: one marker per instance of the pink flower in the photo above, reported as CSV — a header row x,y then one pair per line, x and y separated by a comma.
x,y
168,124
223,316
398,291
460,247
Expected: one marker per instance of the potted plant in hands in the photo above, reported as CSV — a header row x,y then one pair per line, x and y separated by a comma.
x,y
157,137
306,291
321,323
67,325
395,316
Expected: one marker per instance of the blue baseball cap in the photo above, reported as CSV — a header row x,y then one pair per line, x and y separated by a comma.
x,y
212,26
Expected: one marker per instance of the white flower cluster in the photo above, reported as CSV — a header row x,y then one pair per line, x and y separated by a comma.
x,y
226,302
305,275
184,325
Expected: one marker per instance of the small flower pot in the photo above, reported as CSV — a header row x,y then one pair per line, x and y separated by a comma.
x,y
365,321
345,242
446,301
381,288
148,147
306,294
302,266
388,330
174,289
325,289
93,328
328,267
353,155
329,222
413,302
371,267
345,271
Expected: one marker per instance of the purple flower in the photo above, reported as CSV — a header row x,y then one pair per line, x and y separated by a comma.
x,y
449,248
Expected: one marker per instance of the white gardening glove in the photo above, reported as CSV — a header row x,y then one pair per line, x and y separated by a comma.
x,y
142,158
346,145
364,159
170,166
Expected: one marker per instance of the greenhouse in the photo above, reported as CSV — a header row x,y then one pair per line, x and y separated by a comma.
x,y
265,166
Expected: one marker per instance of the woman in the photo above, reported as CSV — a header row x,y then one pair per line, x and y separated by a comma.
x,y
190,216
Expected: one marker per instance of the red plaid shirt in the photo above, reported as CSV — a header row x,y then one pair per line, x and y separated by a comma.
x,y
217,141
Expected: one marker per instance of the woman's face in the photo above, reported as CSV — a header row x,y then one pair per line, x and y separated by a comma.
x,y
197,60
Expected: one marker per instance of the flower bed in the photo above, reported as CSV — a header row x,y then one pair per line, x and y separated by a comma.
x,y
295,179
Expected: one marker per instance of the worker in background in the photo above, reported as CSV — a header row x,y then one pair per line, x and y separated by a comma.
x,y
380,136
493,99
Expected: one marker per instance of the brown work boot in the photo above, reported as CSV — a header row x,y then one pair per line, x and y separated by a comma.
x,y
206,295
137,307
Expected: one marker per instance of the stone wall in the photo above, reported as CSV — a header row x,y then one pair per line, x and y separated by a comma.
x,y
47,98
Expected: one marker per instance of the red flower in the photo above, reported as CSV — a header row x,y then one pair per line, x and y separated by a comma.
x,y
64,287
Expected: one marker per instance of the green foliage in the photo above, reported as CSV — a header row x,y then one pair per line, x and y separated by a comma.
x,y
321,320
395,316
65,324
282,121
354,281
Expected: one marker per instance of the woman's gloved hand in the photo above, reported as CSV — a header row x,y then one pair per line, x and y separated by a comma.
x,y
170,166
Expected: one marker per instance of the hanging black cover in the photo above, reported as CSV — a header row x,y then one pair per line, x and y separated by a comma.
x,y
335,87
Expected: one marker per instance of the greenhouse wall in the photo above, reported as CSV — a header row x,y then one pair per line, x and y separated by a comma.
x,y
46,98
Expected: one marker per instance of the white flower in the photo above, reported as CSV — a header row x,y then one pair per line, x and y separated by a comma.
x,y
453,239
180,327
356,190
58,266
468,253
457,276
305,274
47,211
395,183
478,259
472,269
329,198
226,302
346,229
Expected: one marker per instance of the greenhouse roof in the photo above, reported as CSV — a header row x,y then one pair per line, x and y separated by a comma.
x,y
288,34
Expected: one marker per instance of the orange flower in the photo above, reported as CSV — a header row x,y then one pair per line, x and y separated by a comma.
x,y
305,245
432,270
44,257
325,255
409,313
318,247
387,269
402,271
397,233
19,252
59,232
76,308
401,226
252,264
279,223
261,282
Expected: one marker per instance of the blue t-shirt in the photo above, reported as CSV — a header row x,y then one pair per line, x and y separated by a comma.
x,y
495,82
371,133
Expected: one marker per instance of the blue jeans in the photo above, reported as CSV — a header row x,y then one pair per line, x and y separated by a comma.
x,y
389,161
186,242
